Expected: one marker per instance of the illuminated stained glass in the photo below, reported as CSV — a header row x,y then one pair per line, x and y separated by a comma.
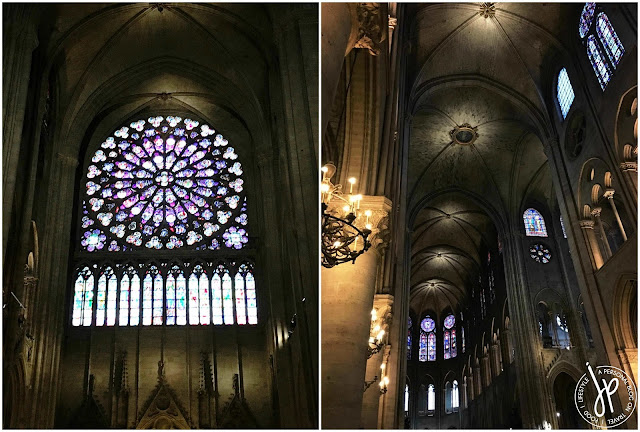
x,y
78,297
205,317
87,308
124,301
252,305
409,340
600,66
112,293
454,349
83,298
216,299
423,350
241,310
431,398
609,39
181,300
134,316
564,93
463,342
164,183
564,232
102,300
428,324
447,347
227,298
158,294
534,223
540,253
171,298
449,321
147,299
432,347
586,18
194,316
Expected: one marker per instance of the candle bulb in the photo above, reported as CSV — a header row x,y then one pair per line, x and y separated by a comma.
x,y
352,181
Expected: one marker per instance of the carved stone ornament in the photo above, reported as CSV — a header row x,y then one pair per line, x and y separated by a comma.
x,y
586,224
163,411
487,10
629,166
465,134
370,27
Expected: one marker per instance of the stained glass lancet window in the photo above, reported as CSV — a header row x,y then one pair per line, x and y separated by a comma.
x,y
599,64
163,184
565,93
609,39
449,337
586,18
409,340
534,223
431,398
427,340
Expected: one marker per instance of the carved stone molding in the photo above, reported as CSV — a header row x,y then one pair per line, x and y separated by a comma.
x,y
380,208
609,193
487,10
383,307
371,27
629,166
393,22
586,224
596,212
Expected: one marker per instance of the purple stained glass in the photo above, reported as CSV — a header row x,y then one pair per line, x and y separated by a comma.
x,y
586,18
432,346
449,321
454,348
447,348
609,39
422,352
428,324
155,183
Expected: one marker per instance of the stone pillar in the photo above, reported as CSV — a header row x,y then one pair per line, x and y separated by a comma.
x,y
339,31
470,387
20,39
463,394
630,173
603,237
609,195
347,299
590,237
382,305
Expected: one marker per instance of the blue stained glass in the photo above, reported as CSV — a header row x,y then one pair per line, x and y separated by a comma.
x,y
447,348
422,354
428,324
609,39
432,346
409,341
565,93
534,223
449,321
586,18
600,66
454,348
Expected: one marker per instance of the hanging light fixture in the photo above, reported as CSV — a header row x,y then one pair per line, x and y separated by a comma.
x,y
342,240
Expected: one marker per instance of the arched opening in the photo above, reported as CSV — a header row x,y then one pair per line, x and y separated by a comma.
x,y
566,413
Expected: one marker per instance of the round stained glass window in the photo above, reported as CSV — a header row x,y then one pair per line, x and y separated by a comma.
x,y
449,321
540,253
164,183
428,324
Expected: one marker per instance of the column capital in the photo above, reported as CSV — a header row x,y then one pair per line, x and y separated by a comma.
x,y
629,166
596,212
586,224
372,28
380,207
609,193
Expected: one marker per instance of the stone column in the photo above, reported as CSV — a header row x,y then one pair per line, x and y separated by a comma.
x,y
486,370
630,173
609,195
347,299
20,39
339,31
603,237
382,305
590,237
463,393
470,387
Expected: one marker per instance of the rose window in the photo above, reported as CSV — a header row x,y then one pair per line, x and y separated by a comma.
x,y
540,253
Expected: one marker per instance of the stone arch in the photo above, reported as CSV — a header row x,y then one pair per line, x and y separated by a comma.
x,y
625,314
626,127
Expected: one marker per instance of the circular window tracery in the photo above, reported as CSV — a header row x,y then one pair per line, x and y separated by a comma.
x,y
164,183
428,324
449,322
540,253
